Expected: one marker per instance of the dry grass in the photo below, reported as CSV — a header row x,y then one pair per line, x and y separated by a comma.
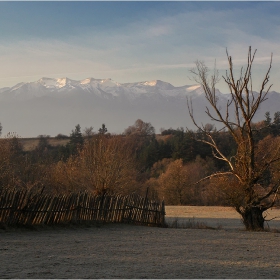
x,y
30,144
215,217
190,223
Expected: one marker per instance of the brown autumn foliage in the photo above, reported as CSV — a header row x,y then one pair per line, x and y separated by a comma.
x,y
7,153
16,169
175,182
160,167
229,189
105,164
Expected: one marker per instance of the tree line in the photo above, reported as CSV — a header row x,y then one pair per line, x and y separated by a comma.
x,y
169,163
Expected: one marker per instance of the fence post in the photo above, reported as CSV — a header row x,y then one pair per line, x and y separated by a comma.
x,y
162,212
124,209
144,207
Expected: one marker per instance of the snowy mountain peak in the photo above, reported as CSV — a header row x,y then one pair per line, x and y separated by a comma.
x,y
58,83
17,86
109,82
63,82
47,82
98,82
55,105
87,81
191,88
197,89
159,84
151,83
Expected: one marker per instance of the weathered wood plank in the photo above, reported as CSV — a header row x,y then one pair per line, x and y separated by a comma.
x,y
23,207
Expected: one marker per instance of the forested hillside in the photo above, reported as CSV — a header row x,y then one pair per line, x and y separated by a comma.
x,y
170,164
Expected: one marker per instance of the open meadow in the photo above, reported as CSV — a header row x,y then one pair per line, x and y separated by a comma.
x,y
220,248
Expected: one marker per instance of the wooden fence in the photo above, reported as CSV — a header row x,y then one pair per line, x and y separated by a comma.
x,y
27,208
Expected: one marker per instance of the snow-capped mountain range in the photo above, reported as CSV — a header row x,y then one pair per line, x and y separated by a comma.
x,y
51,106
105,88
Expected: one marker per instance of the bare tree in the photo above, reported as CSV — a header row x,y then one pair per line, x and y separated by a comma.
x,y
88,132
140,128
108,164
105,164
249,193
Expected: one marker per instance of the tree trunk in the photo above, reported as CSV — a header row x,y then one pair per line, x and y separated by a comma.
x,y
253,219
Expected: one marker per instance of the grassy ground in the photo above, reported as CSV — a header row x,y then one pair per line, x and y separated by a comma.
x,y
216,217
127,251
30,144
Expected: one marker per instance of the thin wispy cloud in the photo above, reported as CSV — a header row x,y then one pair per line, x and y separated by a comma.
x,y
151,45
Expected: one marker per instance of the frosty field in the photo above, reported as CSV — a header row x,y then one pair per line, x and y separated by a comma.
x,y
127,251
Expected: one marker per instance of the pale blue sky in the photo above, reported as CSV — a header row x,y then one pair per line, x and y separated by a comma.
x,y
134,41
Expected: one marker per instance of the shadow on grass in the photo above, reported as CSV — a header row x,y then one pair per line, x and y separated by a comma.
x,y
190,223
215,224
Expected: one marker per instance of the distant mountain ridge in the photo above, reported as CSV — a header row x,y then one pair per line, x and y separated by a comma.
x,y
52,106
99,86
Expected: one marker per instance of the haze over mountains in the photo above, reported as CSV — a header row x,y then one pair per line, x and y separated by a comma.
x,y
51,106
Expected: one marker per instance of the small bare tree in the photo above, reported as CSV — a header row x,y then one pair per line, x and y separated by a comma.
x,y
249,193
108,164
140,128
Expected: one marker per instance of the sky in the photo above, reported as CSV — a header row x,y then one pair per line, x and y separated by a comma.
x,y
136,41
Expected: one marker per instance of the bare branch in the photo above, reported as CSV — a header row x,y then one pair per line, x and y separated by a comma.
x,y
245,104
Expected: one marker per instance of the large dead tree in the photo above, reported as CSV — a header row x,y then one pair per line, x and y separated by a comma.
x,y
249,193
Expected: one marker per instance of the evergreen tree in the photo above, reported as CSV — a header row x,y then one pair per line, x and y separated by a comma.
x,y
275,126
103,129
267,120
76,140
